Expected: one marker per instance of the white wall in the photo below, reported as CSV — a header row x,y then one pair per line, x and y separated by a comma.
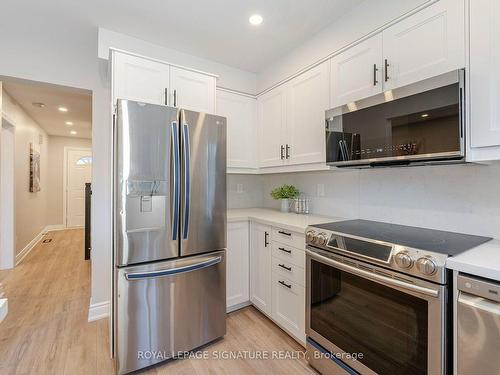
x,y
56,172
463,198
361,20
251,193
29,208
232,78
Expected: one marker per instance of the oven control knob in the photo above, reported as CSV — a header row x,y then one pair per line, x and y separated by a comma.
x,y
310,235
427,265
322,239
403,259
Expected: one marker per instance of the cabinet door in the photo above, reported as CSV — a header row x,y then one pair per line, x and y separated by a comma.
x,y
237,264
192,90
272,120
289,306
356,72
260,267
240,112
308,99
426,44
140,79
485,73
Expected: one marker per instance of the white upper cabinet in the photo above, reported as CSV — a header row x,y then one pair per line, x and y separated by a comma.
x,y
484,73
139,79
272,120
356,73
426,44
308,99
192,90
241,114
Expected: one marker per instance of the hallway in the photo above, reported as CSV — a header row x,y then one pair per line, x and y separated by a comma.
x,y
46,330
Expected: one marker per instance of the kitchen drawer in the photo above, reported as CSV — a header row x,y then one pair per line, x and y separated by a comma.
x,y
289,306
289,254
287,237
289,270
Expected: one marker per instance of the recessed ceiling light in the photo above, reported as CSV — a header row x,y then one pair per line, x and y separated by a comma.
x,y
73,132
38,104
255,19
69,123
62,109
424,115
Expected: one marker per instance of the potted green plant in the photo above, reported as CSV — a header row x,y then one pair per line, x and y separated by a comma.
x,y
285,193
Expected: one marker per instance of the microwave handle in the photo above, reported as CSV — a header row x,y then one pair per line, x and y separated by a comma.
x,y
373,276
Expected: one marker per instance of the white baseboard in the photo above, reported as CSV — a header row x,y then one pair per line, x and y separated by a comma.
x,y
22,254
54,227
99,311
238,306
4,308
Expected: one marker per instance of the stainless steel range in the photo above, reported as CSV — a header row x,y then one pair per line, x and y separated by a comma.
x,y
377,297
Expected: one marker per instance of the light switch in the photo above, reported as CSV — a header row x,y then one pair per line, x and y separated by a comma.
x,y
239,188
146,203
321,190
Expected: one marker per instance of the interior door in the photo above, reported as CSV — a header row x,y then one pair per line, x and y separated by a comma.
x,y
203,182
308,99
356,73
78,172
192,90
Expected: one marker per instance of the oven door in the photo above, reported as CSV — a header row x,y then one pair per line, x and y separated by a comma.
x,y
392,323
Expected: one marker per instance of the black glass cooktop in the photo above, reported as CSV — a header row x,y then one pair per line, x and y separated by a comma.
x,y
437,241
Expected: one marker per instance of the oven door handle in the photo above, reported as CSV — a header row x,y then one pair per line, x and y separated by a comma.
x,y
373,276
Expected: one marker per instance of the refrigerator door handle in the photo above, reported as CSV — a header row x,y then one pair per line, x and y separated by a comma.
x,y
173,271
175,176
187,179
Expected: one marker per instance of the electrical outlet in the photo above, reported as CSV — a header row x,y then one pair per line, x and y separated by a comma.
x,y
239,188
321,190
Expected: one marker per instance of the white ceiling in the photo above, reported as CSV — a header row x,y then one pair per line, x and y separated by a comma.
x,y
78,102
217,29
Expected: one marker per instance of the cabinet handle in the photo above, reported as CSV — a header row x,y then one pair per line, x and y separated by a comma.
x,y
285,233
285,250
266,241
287,151
386,70
175,98
375,70
282,151
285,267
289,286
166,96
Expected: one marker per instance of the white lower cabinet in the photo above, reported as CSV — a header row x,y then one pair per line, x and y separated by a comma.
x,y
237,265
260,267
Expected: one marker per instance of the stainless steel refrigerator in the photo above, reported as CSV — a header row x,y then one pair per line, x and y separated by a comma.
x,y
169,284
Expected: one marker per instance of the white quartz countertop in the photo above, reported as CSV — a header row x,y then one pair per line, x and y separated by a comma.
x,y
291,221
483,261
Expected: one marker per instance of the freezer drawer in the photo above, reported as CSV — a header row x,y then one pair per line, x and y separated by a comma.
x,y
168,307
478,332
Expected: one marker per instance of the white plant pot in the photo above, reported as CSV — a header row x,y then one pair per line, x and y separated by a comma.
x,y
285,205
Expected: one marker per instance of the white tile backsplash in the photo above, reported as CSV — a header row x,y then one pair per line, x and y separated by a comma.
x,y
463,198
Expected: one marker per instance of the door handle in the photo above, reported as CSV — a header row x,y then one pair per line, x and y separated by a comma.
x,y
375,70
285,233
172,271
175,173
175,98
187,179
166,96
285,267
289,286
386,70
282,151
266,241
285,250
287,154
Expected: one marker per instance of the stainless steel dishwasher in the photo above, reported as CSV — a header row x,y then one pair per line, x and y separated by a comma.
x,y
478,319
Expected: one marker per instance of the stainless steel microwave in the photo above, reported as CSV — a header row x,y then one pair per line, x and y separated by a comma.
x,y
419,123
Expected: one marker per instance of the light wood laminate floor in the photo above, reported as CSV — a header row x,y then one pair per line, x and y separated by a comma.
x,y
46,330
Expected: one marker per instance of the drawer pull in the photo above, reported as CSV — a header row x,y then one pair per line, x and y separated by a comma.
x,y
289,286
285,250
285,233
285,267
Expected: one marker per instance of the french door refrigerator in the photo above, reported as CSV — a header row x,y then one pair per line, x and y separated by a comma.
x,y
169,284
